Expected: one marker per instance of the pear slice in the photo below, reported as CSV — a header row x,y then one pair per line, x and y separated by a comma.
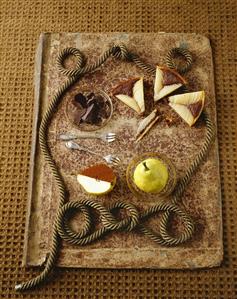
x,y
94,186
189,105
131,93
146,124
97,180
138,94
129,101
166,81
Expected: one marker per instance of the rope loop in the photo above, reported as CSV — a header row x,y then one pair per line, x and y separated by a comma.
x,y
120,51
164,237
63,217
179,52
131,221
70,72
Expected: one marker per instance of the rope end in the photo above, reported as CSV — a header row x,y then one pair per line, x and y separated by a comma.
x,y
18,287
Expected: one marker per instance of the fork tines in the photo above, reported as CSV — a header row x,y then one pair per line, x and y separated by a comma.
x,y
113,159
110,137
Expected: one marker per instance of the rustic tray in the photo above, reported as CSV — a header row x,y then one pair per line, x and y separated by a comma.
x,y
202,197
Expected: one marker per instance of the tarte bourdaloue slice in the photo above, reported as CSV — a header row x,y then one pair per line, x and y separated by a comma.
x,y
166,81
189,105
131,93
146,124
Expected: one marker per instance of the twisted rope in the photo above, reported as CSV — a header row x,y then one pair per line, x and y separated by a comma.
x,y
182,52
134,220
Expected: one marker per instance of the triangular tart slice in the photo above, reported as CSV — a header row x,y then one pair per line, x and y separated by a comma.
x,y
166,81
131,93
189,105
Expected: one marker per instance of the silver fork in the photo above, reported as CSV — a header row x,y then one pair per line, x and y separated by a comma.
x,y
106,137
110,159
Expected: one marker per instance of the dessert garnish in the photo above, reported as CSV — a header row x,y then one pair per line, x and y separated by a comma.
x,y
98,179
131,93
151,175
166,81
189,106
146,124
89,109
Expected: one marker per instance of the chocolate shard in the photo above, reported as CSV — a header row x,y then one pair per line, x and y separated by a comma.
x,y
92,115
77,115
80,99
90,96
105,111
88,111
91,102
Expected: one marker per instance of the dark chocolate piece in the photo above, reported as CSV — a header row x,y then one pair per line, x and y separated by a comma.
x,y
92,115
91,95
81,99
77,115
85,116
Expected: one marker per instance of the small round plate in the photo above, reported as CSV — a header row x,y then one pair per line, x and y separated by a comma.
x,y
170,185
83,126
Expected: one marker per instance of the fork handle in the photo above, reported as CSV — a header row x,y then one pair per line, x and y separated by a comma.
x,y
88,136
69,136
86,149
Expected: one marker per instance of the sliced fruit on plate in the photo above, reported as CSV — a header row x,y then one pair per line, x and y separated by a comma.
x,y
166,81
189,106
146,124
131,93
98,179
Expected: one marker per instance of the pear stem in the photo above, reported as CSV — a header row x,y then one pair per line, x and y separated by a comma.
x,y
146,168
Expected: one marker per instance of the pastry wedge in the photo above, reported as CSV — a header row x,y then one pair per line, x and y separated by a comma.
x,y
146,124
189,106
166,81
131,93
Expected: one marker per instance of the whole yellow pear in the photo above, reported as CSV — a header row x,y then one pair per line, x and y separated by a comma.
x,y
151,175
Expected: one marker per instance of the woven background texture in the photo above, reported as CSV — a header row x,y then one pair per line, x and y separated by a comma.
x,y
21,22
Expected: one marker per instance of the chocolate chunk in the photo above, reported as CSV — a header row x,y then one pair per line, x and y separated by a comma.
x,y
92,115
105,111
77,115
80,99
91,101
91,95
88,111
101,102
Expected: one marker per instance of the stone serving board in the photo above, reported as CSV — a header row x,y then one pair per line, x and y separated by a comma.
x,y
179,142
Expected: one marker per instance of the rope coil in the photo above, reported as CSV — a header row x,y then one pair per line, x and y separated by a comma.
x,y
134,220
182,52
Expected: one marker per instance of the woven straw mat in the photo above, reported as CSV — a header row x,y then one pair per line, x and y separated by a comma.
x,y
20,25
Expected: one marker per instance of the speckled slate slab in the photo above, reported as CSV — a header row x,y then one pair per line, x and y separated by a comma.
x,y
202,198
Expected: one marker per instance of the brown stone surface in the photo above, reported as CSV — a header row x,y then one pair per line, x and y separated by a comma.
x,y
181,143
